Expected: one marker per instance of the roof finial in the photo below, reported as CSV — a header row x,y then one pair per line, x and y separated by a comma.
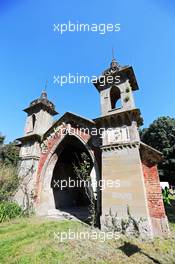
x,y
45,88
44,93
113,57
114,63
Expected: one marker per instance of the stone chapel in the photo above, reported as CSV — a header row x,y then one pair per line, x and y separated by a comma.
x,y
49,149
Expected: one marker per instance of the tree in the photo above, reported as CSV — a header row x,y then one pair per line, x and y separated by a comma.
x,y
161,136
1,139
10,154
82,171
8,182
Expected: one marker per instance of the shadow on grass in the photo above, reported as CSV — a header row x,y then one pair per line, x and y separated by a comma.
x,y
131,249
170,211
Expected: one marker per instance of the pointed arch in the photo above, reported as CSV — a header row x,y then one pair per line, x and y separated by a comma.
x,y
115,97
61,153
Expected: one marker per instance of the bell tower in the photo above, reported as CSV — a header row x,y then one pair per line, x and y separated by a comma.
x,y
40,113
39,119
119,115
121,150
114,87
136,199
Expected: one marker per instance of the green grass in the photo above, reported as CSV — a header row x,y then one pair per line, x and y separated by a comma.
x,y
31,240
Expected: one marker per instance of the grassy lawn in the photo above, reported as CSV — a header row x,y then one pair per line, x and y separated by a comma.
x,y
31,240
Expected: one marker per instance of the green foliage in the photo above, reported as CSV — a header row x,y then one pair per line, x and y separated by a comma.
x,y
1,139
9,210
8,181
82,171
83,168
166,196
161,136
1,145
9,154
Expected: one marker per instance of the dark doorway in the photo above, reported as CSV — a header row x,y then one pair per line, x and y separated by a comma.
x,y
69,192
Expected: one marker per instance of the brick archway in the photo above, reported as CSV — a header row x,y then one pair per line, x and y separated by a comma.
x,y
45,200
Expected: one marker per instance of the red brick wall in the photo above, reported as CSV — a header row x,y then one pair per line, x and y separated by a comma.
x,y
153,190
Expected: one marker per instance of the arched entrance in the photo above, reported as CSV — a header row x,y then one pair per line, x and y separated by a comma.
x,y
61,188
68,190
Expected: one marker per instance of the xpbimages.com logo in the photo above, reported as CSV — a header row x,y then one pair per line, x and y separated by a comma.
x,y
85,79
85,235
100,28
71,183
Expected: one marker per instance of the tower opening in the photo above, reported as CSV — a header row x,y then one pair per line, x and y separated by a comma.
x,y
33,121
115,96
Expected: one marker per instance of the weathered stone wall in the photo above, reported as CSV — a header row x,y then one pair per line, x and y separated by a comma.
x,y
123,164
43,122
27,176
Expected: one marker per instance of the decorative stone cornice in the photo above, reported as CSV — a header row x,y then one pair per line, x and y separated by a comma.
x,y
29,158
32,137
120,118
120,146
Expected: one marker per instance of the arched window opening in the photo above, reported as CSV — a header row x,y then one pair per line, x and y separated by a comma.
x,y
115,97
33,121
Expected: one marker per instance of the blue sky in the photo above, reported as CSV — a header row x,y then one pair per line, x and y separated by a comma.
x,y
31,53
